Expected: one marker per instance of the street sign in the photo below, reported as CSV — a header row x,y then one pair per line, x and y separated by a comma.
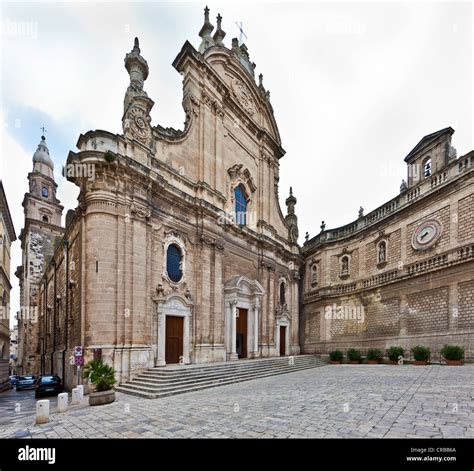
x,y
78,351
79,361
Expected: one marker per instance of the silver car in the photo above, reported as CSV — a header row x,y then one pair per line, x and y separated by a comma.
x,y
25,382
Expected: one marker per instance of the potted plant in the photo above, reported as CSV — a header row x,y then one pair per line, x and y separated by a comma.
x,y
421,354
354,356
102,376
374,356
395,354
336,357
453,354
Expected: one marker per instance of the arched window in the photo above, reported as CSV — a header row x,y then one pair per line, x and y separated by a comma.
x,y
240,205
382,252
427,168
174,262
344,265
282,294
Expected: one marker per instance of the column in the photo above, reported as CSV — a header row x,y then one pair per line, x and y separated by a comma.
x,y
255,328
161,339
186,340
233,330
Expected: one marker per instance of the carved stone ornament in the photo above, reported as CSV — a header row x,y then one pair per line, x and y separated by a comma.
x,y
139,125
140,212
243,96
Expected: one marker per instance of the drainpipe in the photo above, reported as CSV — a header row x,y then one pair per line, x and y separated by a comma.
x,y
55,304
66,339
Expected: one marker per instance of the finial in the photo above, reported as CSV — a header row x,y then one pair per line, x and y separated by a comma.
x,y
323,226
43,132
136,46
291,191
220,33
306,237
205,32
361,212
260,80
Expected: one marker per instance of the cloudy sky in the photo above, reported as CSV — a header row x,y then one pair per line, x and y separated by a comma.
x,y
354,87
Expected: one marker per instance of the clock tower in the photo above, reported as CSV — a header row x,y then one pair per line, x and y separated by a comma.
x,y
42,228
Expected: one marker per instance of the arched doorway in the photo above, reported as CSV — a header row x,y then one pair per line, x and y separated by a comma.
x,y
242,300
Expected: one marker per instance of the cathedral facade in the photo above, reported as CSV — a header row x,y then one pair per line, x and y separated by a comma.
x,y
178,251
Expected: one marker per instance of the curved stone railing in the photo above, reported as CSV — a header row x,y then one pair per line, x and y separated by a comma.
x,y
454,256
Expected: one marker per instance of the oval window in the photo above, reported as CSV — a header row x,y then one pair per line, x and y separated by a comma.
x,y
173,263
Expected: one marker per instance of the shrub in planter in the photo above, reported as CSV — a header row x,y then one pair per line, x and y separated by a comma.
x,y
394,354
374,356
109,157
453,354
421,354
335,356
102,377
354,355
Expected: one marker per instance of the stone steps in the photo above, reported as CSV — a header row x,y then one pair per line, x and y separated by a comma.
x,y
167,381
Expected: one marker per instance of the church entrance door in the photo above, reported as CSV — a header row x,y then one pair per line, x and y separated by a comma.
x,y
174,339
241,340
282,341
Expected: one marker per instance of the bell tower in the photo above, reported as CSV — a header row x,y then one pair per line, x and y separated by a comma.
x,y
39,236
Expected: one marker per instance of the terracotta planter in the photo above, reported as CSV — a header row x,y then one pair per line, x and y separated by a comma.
x,y
454,362
372,362
354,362
101,398
420,362
335,362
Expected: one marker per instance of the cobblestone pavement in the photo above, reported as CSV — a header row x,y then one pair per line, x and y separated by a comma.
x,y
331,401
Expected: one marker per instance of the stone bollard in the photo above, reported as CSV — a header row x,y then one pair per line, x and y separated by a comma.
x,y
42,411
62,402
80,387
76,396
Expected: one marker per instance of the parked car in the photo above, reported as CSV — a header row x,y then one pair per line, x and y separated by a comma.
x,y
48,385
13,380
25,382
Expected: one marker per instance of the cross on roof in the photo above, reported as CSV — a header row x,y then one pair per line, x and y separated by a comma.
x,y
43,130
241,29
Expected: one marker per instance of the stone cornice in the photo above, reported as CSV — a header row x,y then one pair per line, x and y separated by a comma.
x,y
427,265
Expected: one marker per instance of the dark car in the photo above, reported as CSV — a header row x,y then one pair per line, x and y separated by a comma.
x,y
49,385
25,382
13,380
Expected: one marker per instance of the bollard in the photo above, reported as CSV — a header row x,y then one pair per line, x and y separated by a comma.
x,y
76,396
42,411
62,402
81,391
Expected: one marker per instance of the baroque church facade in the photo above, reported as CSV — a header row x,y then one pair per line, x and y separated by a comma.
x,y
179,252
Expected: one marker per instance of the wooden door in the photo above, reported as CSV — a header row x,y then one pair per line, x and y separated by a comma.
x,y
241,332
282,341
174,339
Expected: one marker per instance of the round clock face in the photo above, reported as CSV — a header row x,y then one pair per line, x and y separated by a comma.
x,y
426,235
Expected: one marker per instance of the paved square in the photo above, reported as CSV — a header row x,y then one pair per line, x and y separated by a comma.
x,y
331,401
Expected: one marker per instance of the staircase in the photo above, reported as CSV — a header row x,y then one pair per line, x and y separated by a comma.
x,y
177,379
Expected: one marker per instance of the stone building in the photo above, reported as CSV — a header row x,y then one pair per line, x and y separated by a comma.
x,y
7,236
404,273
40,235
178,250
